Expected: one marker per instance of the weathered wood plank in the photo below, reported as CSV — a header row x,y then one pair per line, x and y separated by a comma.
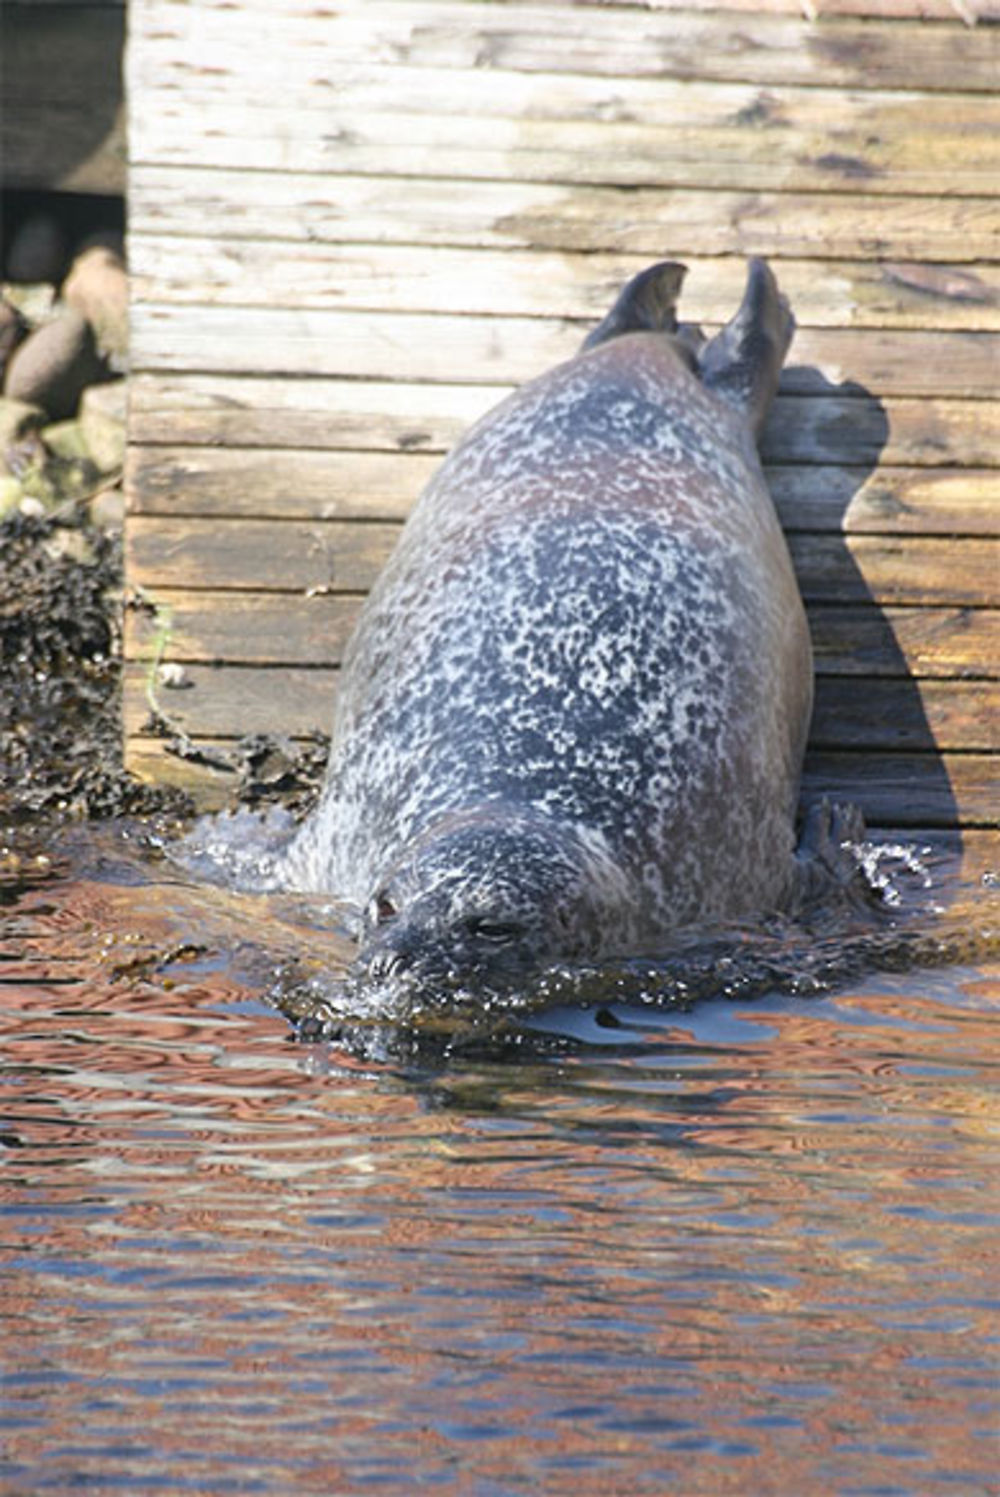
x,y
199,627
858,640
649,222
969,12
889,716
443,348
203,626
909,790
281,484
896,570
579,39
276,482
170,269
265,554
244,411
345,555
369,95
917,793
891,147
902,716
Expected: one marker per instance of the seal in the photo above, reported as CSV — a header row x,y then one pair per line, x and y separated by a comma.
x,y
573,713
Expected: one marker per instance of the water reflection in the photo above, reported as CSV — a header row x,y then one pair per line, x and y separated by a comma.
x,y
749,1248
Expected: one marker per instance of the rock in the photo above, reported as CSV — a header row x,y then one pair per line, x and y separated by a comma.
x,y
36,303
12,331
107,510
70,545
37,250
97,288
66,440
18,420
102,417
11,494
54,365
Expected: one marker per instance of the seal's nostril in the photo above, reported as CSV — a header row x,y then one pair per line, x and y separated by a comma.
x,y
385,965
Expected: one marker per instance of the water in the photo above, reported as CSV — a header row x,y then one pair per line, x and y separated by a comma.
x,y
747,1249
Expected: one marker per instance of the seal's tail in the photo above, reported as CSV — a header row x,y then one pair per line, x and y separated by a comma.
x,y
742,363
647,304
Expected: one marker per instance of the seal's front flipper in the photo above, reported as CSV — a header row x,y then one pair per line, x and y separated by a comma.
x,y
742,363
827,864
646,305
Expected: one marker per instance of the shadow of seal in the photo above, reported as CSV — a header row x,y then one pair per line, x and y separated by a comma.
x,y
573,714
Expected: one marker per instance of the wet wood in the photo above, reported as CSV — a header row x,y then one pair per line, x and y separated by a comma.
x,y
355,228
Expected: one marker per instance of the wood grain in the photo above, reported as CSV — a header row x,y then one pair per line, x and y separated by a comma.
x,y
282,628
573,219
354,229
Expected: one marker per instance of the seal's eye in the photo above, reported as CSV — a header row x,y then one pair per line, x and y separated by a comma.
x,y
496,931
381,909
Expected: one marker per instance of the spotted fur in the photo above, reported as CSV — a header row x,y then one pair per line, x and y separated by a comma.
x,y
589,640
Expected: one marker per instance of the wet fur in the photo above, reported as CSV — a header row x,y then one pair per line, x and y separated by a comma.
x,y
589,630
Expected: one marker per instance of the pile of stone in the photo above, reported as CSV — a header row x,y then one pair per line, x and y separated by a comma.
x,y
63,358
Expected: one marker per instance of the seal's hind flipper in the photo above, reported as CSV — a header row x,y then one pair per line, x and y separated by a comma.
x,y
742,363
646,305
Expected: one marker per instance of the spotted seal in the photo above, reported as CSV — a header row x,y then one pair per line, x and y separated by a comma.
x,y
573,713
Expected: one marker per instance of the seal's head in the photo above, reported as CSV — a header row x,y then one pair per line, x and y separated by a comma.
x,y
488,898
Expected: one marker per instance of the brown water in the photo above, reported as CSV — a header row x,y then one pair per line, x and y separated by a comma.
x,y
751,1249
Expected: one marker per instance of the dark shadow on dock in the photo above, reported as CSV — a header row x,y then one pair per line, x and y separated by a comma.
x,y
870,741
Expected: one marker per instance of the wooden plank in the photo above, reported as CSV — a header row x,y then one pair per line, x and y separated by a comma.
x,y
246,411
909,790
859,640
368,95
888,716
62,124
896,570
242,628
899,715
190,271
267,554
443,348
969,12
888,147
248,628
914,793
274,483
761,50
877,127
656,222
345,555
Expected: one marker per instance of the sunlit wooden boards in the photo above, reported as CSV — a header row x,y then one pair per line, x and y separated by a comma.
x,y
354,228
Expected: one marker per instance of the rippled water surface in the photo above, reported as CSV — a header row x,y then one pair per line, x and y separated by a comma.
x,y
749,1249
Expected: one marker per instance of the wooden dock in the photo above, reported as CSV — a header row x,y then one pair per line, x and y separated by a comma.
x,y
353,227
